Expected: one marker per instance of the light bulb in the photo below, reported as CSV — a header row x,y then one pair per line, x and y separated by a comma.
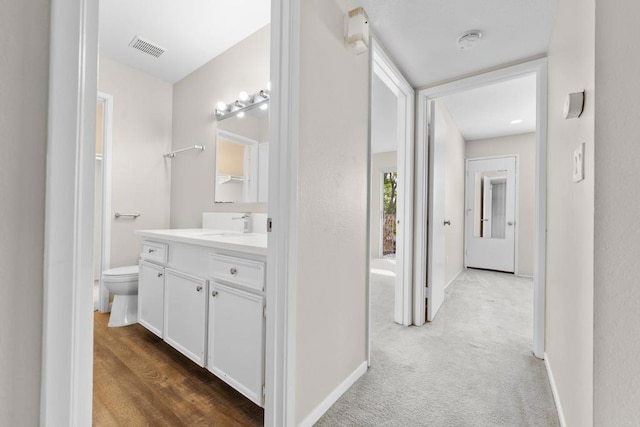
x,y
244,96
264,106
241,114
221,106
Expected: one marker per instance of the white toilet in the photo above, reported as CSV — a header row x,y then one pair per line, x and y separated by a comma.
x,y
122,282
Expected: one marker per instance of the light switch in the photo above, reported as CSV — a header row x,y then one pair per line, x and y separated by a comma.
x,y
578,163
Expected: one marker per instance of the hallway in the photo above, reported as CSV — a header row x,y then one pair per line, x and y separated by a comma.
x,y
472,366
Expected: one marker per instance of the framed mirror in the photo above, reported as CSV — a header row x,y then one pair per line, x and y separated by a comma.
x,y
242,160
490,204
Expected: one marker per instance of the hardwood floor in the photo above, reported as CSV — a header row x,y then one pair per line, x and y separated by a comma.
x,y
139,380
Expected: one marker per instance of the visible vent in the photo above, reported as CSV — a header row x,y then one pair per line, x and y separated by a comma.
x,y
146,47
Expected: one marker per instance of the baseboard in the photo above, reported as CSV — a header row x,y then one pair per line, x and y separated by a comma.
x,y
454,278
554,390
333,397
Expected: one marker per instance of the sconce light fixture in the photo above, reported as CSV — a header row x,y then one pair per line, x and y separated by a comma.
x,y
244,103
357,30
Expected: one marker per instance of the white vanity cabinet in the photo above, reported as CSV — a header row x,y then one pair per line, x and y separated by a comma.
x,y
185,311
204,294
236,339
151,297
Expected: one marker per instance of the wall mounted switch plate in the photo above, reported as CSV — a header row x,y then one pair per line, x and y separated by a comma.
x,y
578,163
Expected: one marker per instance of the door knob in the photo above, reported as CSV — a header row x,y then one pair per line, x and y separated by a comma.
x,y
447,222
510,223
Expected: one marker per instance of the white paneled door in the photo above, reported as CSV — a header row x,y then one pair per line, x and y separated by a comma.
x,y
490,208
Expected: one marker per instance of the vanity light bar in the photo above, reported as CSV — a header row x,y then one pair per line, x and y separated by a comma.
x,y
239,106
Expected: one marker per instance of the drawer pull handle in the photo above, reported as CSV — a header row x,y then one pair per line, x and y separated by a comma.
x,y
159,274
233,271
198,288
214,294
151,251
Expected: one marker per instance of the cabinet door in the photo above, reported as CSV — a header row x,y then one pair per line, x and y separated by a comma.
x,y
151,297
236,339
185,303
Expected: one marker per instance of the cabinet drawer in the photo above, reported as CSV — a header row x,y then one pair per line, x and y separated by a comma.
x,y
154,251
238,271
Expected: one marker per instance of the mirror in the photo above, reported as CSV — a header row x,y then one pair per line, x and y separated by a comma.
x,y
242,158
490,204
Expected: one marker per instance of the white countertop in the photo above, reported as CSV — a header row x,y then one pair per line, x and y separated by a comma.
x,y
253,243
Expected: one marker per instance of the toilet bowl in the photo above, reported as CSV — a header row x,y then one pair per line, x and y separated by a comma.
x,y
122,282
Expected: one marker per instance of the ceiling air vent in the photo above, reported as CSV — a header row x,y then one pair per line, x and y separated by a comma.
x,y
146,47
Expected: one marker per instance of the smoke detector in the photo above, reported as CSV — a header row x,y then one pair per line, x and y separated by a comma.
x,y
146,47
469,40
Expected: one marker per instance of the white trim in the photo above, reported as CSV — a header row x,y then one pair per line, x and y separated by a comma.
x,y
554,391
539,67
282,241
67,346
333,397
107,160
391,76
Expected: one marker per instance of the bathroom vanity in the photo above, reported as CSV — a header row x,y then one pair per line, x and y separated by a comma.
x,y
203,292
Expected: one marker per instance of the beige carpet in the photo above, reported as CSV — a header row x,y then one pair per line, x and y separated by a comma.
x,y
472,366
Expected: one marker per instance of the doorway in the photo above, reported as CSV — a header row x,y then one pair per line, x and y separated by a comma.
x,y
490,212
391,175
102,197
427,231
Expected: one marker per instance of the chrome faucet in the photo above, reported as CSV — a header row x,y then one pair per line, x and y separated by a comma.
x,y
245,217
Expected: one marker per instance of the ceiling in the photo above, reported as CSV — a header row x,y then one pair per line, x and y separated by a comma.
x,y
486,112
191,31
421,35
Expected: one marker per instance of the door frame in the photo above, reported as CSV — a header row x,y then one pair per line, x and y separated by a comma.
x,y
425,95
516,210
67,345
107,159
384,68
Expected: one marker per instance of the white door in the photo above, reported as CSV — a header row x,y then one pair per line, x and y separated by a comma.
x,y
236,339
436,231
490,208
185,312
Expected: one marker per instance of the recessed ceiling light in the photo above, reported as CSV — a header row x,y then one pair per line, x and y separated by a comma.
x,y
516,121
469,40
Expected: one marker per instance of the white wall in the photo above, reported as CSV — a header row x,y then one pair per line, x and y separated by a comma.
x,y
524,146
617,203
24,31
332,206
453,196
381,162
140,174
570,213
245,66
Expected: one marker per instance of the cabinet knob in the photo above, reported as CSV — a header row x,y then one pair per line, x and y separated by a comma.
x,y
159,274
233,271
214,294
151,251
198,288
